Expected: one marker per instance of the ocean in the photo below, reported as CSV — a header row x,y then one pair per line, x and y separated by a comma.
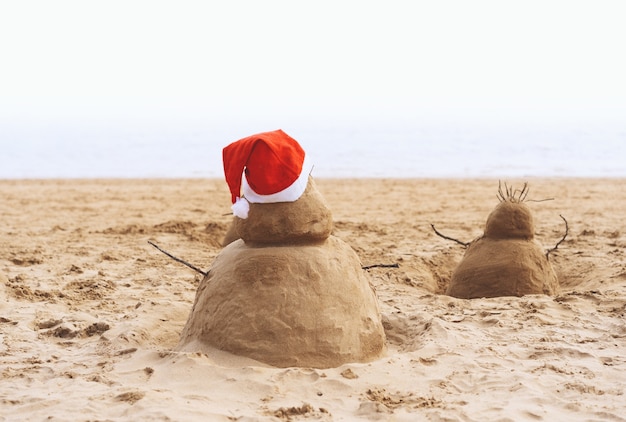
x,y
342,150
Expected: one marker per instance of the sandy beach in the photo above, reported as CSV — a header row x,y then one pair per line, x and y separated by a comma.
x,y
91,313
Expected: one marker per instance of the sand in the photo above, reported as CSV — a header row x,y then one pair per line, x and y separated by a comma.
x,y
90,313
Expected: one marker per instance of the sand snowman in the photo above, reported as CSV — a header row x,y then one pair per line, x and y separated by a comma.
x,y
287,293
507,260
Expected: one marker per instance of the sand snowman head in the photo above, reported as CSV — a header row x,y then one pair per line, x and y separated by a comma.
x,y
275,200
511,218
506,260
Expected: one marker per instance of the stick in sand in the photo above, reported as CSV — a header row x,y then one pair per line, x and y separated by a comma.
x,y
562,239
179,260
449,238
367,267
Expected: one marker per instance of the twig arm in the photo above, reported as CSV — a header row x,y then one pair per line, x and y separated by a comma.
x,y
367,267
465,245
560,241
179,260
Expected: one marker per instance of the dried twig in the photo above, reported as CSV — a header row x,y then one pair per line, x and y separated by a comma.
x,y
560,241
523,193
465,244
367,267
512,195
501,197
540,200
179,260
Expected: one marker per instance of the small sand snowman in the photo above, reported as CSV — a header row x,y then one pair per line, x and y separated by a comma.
x,y
506,260
287,292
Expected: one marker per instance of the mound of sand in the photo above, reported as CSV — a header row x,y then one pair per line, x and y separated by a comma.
x,y
287,293
503,267
307,306
506,260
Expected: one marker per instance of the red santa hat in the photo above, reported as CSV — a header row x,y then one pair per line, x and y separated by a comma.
x,y
264,168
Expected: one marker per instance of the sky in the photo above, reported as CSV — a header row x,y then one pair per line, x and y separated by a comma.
x,y
124,81
482,60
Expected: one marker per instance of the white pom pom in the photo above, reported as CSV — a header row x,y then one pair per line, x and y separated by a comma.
x,y
241,207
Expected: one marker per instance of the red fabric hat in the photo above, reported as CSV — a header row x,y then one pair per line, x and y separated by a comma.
x,y
266,167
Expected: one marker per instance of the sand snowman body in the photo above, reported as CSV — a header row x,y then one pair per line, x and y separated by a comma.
x,y
506,260
287,293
